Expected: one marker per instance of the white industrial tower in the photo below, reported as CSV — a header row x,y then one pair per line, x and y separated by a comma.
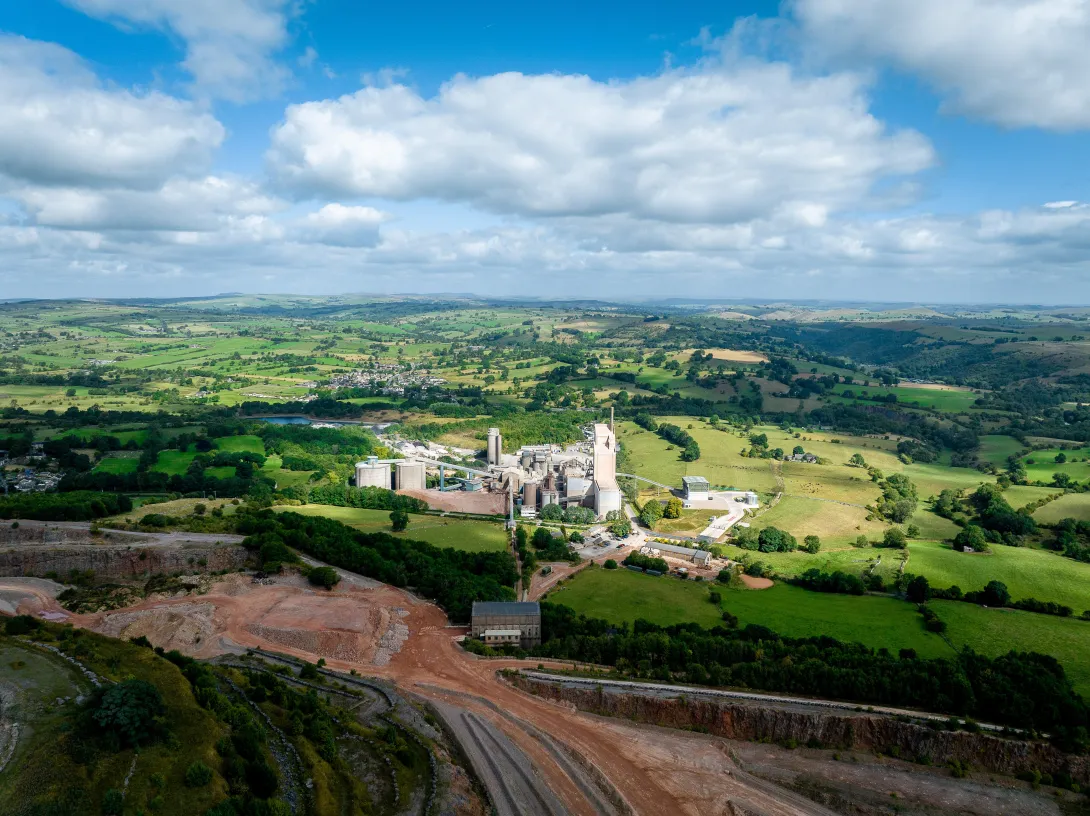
x,y
607,494
495,446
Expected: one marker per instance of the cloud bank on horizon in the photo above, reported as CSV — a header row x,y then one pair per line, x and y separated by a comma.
x,y
225,153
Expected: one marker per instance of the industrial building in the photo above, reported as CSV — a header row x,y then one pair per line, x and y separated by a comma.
x,y
495,447
410,475
604,489
373,473
699,557
498,622
696,488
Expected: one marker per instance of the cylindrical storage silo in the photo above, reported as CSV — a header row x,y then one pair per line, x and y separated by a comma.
x,y
530,494
373,473
410,475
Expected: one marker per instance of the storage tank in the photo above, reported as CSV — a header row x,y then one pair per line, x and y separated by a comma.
x,y
495,446
529,494
373,473
410,475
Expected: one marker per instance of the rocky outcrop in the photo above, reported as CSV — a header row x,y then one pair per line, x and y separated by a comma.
x,y
862,731
40,550
120,561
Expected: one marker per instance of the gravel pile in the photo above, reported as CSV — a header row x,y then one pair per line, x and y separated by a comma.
x,y
392,639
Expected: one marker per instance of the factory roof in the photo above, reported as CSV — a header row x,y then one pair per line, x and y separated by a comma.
x,y
506,608
695,481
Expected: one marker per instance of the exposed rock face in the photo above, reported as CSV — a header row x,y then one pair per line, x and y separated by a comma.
x,y
750,721
39,550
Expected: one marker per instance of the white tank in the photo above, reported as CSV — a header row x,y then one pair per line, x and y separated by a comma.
x,y
373,473
410,475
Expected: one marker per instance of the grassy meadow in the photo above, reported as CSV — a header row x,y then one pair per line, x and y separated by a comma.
x,y
460,534
995,632
624,595
1028,573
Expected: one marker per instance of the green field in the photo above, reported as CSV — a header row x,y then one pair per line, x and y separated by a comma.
x,y
1046,576
1073,505
1041,464
174,462
835,524
936,399
997,631
117,465
996,449
850,560
241,444
284,478
460,534
624,595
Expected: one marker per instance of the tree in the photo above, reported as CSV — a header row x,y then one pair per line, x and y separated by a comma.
x,y
610,564
552,512
747,538
621,527
200,509
861,541
324,577
894,538
758,440
913,531
918,590
811,544
399,520
772,539
651,513
1061,457
131,711
996,594
798,450
673,508
857,460
198,775
726,575
971,536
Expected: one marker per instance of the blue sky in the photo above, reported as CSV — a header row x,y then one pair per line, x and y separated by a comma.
x,y
917,150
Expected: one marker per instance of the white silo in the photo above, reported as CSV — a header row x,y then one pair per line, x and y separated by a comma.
x,y
410,475
495,446
373,473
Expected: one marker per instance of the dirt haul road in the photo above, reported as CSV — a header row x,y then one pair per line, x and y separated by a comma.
x,y
381,631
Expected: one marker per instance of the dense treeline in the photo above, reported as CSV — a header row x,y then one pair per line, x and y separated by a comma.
x,y
837,582
78,506
454,579
156,482
1019,689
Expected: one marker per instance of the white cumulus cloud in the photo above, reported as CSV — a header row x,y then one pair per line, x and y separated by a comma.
x,y
58,125
1020,63
715,144
230,44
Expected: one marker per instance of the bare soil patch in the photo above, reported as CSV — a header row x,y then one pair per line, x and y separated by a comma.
x,y
752,582
492,504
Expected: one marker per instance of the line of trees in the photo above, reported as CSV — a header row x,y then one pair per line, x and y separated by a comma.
x,y
452,578
1018,689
